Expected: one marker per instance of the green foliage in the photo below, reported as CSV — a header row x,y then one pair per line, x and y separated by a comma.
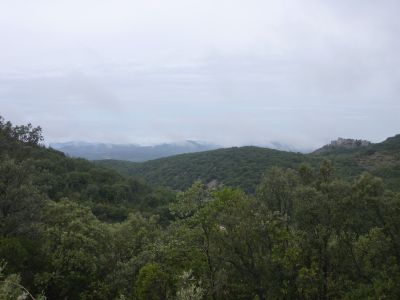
x,y
189,288
11,287
235,167
276,189
24,133
152,283
75,242
189,202
38,172
253,243
20,201
244,167
73,230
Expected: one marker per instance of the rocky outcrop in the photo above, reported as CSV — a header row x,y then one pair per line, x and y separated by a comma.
x,y
344,144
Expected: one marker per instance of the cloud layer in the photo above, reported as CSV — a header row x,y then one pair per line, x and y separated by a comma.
x,y
229,72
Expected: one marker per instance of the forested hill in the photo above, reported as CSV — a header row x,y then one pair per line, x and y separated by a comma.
x,y
52,175
380,159
242,167
71,230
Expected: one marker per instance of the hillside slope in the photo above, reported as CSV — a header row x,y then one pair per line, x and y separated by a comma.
x,y
242,167
110,195
237,167
381,159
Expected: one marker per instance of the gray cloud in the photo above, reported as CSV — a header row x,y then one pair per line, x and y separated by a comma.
x,y
230,72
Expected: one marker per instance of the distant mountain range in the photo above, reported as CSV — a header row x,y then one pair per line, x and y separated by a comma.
x,y
141,153
243,166
130,152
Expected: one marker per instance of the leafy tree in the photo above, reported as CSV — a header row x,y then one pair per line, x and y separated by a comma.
x,y
276,190
11,287
189,202
131,247
20,202
255,244
152,283
77,247
189,287
306,174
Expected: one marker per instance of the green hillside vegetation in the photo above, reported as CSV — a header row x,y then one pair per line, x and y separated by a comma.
x,y
110,195
243,167
381,159
305,233
235,167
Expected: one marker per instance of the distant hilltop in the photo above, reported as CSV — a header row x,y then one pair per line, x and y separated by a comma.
x,y
130,152
349,143
345,144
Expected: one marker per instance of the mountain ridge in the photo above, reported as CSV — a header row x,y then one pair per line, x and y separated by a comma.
x,y
344,143
244,166
130,152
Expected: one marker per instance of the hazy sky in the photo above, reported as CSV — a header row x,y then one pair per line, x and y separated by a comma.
x,y
300,72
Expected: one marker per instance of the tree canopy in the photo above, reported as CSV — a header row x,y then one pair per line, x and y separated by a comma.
x,y
72,230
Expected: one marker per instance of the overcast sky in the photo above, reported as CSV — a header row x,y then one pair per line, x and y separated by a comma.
x,y
300,72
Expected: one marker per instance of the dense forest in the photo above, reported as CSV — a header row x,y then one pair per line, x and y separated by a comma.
x,y
313,227
235,167
243,167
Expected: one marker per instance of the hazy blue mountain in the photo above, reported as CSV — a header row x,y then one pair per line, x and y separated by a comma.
x,y
130,152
